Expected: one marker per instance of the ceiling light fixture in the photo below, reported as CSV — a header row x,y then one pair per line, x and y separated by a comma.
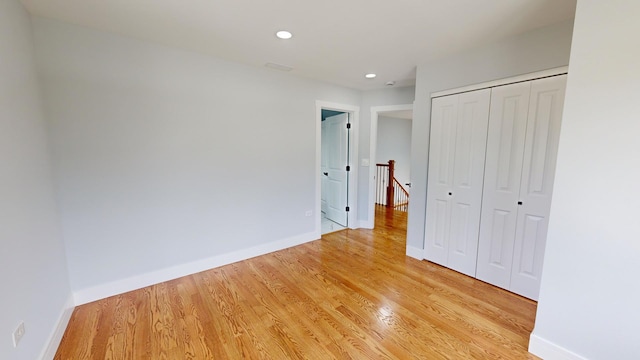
x,y
283,34
370,76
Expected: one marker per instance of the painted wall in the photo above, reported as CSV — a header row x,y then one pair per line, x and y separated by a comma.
x,y
33,278
383,97
589,298
394,143
165,157
540,49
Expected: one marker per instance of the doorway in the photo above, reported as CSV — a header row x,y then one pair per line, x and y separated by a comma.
x,y
392,142
334,160
336,153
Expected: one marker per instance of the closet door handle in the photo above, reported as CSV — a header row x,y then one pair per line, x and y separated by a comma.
x,y
519,202
450,193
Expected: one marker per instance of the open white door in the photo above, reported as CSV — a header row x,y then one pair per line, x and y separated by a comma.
x,y
324,168
335,143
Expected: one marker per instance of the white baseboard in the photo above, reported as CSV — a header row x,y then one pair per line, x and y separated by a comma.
x,y
547,350
366,224
102,291
51,346
415,252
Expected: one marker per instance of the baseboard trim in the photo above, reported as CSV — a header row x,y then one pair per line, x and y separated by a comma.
x,y
547,350
415,252
102,291
366,224
49,352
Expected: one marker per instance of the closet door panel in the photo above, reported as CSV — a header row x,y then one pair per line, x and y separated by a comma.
x,y
444,117
468,174
503,170
539,163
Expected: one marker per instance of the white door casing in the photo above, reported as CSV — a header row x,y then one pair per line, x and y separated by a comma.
x,y
456,168
354,116
503,168
538,172
336,174
376,112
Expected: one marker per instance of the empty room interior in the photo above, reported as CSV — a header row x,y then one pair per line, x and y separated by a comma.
x,y
440,186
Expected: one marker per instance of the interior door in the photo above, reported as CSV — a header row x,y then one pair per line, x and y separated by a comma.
x,y
336,174
538,171
456,167
503,168
444,116
324,172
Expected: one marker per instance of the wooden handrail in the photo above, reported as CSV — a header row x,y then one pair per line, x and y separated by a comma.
x,y
401,200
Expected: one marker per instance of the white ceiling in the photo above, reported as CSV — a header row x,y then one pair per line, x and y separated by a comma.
x,y
336,41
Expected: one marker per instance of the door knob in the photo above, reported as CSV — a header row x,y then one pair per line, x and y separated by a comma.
x,y
325,173
450,193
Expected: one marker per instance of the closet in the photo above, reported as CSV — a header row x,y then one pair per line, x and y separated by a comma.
x,y
456,168
491,168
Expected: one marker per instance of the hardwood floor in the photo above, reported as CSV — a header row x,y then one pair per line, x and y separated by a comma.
x,y
351,295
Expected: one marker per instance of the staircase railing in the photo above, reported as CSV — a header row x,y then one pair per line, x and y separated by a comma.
x,y
389,192
400,196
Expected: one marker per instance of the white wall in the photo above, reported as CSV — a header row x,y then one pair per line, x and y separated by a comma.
x,y
394,143
590,297
165,157
33,278
540,49
383,97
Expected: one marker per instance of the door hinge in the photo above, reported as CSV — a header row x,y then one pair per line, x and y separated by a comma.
x,y
348,125
348,168
347,209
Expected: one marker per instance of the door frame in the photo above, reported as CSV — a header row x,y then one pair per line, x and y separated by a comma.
x,y
373,143
352,197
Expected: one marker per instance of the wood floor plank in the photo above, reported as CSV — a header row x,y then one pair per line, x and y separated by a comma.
x,y
353,294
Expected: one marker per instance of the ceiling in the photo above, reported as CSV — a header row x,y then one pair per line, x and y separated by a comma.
x,y
336,41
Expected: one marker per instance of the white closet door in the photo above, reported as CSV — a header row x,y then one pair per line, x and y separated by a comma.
x,y
503,168
444,118
468,174
456,166
539,163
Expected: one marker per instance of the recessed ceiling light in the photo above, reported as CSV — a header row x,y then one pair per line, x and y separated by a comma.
x,y
283,34
370,76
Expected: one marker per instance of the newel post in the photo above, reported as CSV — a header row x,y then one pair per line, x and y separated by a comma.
x,y
390,194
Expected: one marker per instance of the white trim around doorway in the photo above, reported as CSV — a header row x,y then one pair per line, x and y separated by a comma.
x,y
354,117
373,143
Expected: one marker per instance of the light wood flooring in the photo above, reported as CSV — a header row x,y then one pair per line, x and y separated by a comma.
x,y
351,295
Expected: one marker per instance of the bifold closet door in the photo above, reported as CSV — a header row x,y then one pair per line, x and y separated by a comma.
x,y
538,172
456,167
503,169
524,128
